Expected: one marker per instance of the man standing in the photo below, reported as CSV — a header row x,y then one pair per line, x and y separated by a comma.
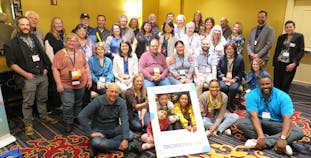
x,y
25,56
205,68
101,32
155,27
260,39
269,124
107,134
33,18
226,30
153,66
126,33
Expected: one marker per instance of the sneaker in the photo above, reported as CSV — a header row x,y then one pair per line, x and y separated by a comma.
x,y
208,133
47,119
29,130
289,150
227,132
250,143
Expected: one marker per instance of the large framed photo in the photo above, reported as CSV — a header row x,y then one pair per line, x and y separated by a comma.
x,y
183,140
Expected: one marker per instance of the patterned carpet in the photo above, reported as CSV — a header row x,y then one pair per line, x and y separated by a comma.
x,y
48,140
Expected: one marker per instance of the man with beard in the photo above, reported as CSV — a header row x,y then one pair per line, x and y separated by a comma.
x,y
101,32
205,67
269,123
26,57
260,39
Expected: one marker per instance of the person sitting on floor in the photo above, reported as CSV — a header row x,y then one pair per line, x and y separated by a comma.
x,y
164,101
106,132
213,105
183,109
269,123
164,122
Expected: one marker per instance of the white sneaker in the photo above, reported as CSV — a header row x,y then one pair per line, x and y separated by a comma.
x,y
208,133
250,143
227,132
289,150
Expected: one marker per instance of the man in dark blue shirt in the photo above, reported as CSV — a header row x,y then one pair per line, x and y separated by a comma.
x,y
109,129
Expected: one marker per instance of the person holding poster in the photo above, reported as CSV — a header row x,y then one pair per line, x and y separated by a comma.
x,y
183,109
164,122
213,105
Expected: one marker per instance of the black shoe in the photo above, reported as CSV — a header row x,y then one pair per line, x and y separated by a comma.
x,y
93,152
76,120
137,145
68,128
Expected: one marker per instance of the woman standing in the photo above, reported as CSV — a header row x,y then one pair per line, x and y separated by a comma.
x,y
71,73
236,37
85,44
142,39
288,52
101,69
197,20
167,39
181,65
133,24
209,23
230,71
125,66
54,41
217,42
137,104
113,41
192,40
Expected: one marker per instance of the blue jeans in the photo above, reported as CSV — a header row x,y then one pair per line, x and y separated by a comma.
x,y
163,82
111,140
271,129
175,81
228,120
231,91
135,122
72,100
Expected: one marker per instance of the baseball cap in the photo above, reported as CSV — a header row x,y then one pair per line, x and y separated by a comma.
x,y
84,15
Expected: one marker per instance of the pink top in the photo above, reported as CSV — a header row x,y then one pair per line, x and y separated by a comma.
x,y
62,64
163,126
147,63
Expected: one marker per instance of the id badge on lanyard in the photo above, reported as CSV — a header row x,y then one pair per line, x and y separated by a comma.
x,y
35,58
156,71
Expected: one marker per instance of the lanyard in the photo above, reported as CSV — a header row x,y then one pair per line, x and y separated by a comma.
x,y
74,57
267,101
190,41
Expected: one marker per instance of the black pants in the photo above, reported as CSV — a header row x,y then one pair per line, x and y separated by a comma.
x,y
282,78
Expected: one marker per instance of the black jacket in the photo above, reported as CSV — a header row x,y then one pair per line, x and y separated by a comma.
x,y
237,69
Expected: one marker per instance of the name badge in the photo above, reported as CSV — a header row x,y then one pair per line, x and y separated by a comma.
x,y
74,83
266,115
35,58
156,71
102,79
208,70
182,72
255,42
229,75
285,54
292,44
75,74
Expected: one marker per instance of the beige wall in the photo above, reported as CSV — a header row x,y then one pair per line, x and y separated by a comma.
x,y
237,10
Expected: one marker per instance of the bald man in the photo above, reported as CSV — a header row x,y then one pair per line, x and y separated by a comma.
x,y
106,133
226,30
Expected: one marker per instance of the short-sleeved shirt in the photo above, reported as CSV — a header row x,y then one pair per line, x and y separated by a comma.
x,y
278,104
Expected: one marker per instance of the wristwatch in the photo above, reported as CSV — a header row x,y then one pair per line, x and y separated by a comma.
x,y
283,137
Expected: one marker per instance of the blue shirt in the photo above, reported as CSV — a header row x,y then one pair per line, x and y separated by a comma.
x,y
97,70
278,105
104,116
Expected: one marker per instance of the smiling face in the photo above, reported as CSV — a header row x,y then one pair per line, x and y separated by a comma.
x,y
81,32
236,29
261,18
183,100
124,48
266,86
24,26
289,28
180,49
147,27
58,24
100,50
229,51
255,66
214,88
71,43
162,114
116,30
163,99
138,82
112,93
167,28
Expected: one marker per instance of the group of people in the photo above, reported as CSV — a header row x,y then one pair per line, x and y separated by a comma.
x,y
122,63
